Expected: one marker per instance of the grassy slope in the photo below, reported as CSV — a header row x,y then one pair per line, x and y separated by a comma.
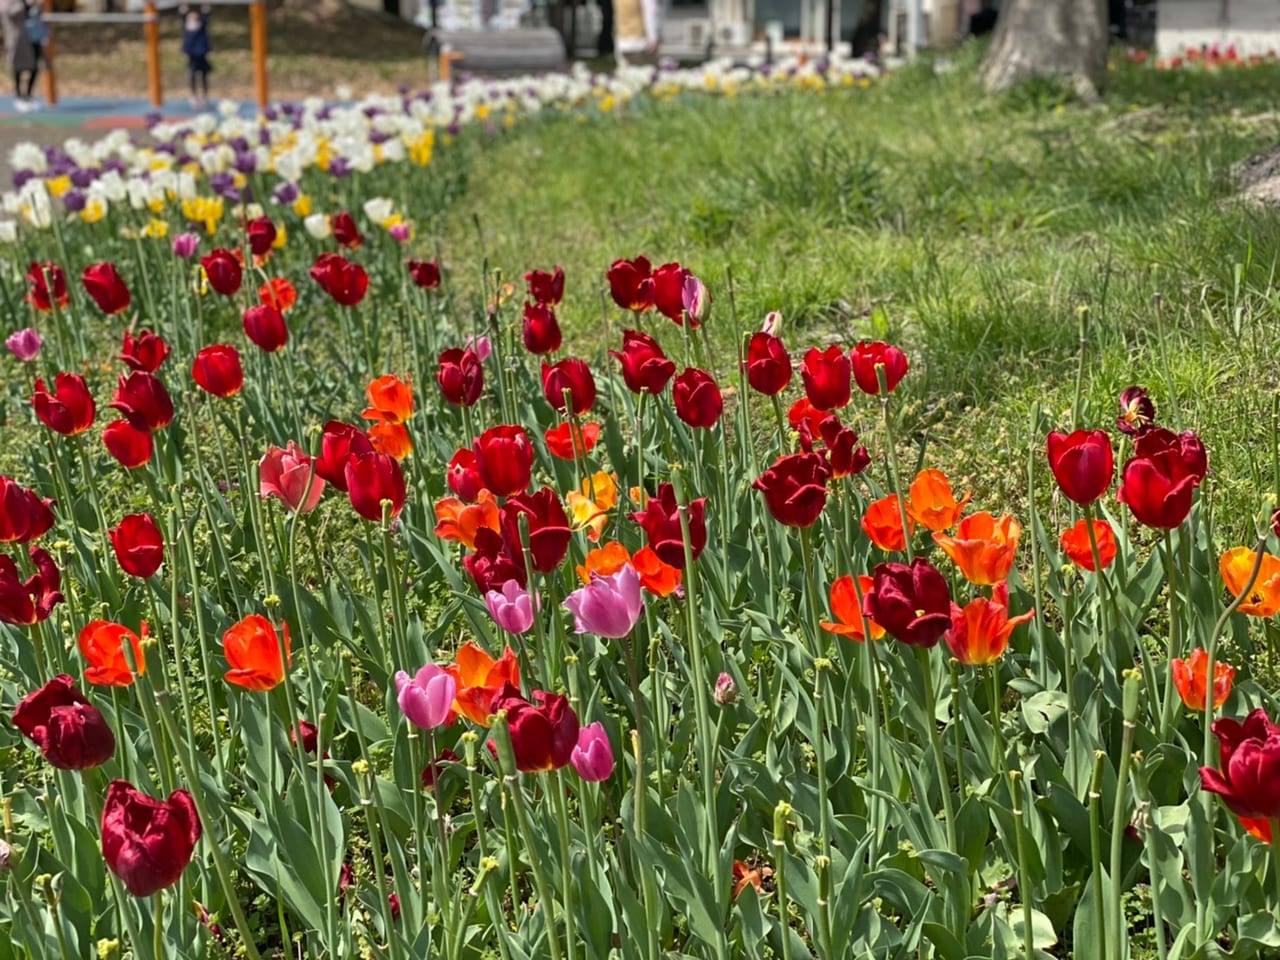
x,y
971,229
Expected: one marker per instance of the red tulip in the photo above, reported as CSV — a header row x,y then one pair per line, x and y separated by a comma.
x,y
371,479
1082,463
103,284
344,281
569,376
70,732
138,544
826,377
548,528
490,565
768,364
288,474
806,420
546,288
24,602
46,285
697,398
424,273
565,437
1137,412
69,410
866,356
541,329
844,457
644,366
631,284
143,401
339,443
265,326
542,736
1249,767
795,488
24,514
147,843
262,234
345,230
460,376
463,477
912,603
130,446
668,292
1157,483
217,370
223,270
504,459
660,520
146,351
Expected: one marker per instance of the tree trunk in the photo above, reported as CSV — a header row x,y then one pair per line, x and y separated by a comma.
x,y
1039,38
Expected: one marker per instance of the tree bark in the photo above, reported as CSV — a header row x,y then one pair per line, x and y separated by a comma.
x,y
1041,38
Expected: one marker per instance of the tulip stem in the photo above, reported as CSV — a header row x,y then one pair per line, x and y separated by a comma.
x,y
566,867
1095,852
158,928
1274,826
1175,636
220,864
1024,874
1118,824
997,762
780,814
1100,576
935,742
891,445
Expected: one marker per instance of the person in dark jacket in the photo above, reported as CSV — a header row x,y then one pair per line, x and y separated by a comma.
x,y
195,44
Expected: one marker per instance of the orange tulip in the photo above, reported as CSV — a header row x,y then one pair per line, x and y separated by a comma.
x,y
846,609
931,504
279,293
102,645
744,875
1190,677
980,631
1264,599
1075,544
252,649
391,438
479,678
983,547
603,561
883,524
390,399
658,577
460,522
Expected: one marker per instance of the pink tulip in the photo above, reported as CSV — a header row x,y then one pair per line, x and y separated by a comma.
x,y
607,606
726,691
401,232
511,607
593,757
426,698
24,344
284,473
184,245
695,299
480,346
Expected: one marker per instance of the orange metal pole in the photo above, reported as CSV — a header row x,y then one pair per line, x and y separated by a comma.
x,y
151,32
50,81
258,35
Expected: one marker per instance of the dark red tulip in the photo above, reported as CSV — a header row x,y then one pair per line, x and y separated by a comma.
x,y
1082,463
572,377
338,444
826,377
70,732
768,364
371,479
130,446
146,351
103,284
668,291
795,488
844,456
660,520
542,736
912,603
541,329
147,843
631,284
1186,446
344,281
460,376
1157,484
1137,412
432,771
262,234
424,273
143,401
223,270
504,459
868,355
24,514
345,230
46,285
24,602
265,326
217,370
546,288
490,565
644,366
1249,776
697,398
548,528
138,545
69,410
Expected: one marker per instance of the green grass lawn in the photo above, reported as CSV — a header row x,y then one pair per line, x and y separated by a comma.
x,y
973,230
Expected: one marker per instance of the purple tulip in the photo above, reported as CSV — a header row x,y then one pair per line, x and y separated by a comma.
x,y
511,607
593,757
24,344
726,691
607,606
184,245
426,699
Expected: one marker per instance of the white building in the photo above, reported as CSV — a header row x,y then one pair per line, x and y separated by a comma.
x,y
1252,26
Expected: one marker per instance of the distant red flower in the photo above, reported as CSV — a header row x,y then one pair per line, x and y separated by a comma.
x,y
460,376
130,446
697,398
795,488
24,602
504,459
146,351
631,284
546,288
768,364
540,329
46,285
223,270
644,366
143,401
570,376
217,370
562,439
103,284
279,293
660,520
371,479
868,355
70,732
668,292
339,442
24,514
826,377
138,544
424,273
266,328
262,234
344,281
1137,412
69,410
345,230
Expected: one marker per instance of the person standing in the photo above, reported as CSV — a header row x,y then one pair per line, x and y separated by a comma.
x,y
19,53
195,44
638,31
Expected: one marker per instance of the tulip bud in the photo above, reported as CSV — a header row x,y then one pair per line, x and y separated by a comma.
x,y
1132,687
726,691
